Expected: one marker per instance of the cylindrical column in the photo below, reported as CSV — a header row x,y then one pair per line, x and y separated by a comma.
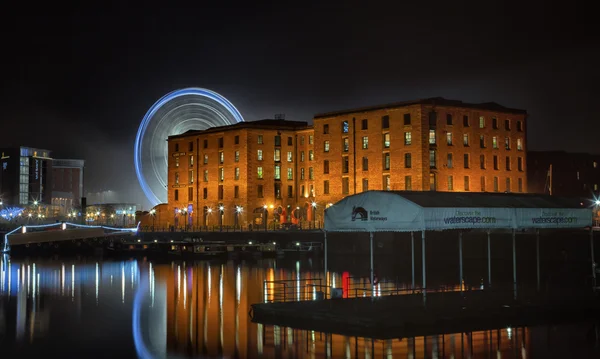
x,y
325,254
412,250
537,256
372,273
514,248
423,264
593,257
460,258
489,250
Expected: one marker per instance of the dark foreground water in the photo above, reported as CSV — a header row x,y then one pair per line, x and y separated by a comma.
x,y
88,308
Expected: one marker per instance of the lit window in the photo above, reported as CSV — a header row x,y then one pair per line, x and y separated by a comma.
x,y
205,175
507,143
407,138
450,183
365,142
519,144
311,174
237,156
191,176
449,138
386,140
277,155
346,144
289,156
221,157
495,142
221,174
311,155
176,178
205,159
466,139
237,173
260,139
259,172
432,158
176,161
310,139
326,146
191,161
259,155
277,172
387,183
345,127
290,173
432,137
302,156
481,122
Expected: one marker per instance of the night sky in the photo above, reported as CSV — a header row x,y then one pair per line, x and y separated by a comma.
x,y
79,82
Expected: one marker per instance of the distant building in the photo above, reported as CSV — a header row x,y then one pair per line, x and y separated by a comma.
x,y
67,184
26,176
281,170
111,214
572,174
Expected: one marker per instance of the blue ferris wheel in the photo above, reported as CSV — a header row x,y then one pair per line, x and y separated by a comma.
x,y
175,113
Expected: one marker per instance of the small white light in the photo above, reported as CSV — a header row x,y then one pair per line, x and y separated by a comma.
x,y
298,244
274,243
597,202
139,240
171,241
155,241
249,242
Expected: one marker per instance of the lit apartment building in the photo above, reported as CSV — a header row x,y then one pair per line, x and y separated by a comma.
x,y
433,144
227,175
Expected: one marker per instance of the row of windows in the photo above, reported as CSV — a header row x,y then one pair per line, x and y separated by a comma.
x,y
467,164
385,123
259,157
236,141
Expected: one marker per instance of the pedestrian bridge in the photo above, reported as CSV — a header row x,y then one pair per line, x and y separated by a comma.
x,y
59,232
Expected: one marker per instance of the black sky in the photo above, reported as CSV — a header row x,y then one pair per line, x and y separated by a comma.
x,y
78,81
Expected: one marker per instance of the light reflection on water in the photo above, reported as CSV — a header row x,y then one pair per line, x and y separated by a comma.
x,y
76,308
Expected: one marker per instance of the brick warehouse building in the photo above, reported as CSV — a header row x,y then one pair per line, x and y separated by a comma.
x,y
431,144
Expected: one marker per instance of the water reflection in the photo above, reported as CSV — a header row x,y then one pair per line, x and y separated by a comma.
x,y
196,309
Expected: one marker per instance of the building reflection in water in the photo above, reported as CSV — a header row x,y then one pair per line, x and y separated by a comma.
x,y
201,309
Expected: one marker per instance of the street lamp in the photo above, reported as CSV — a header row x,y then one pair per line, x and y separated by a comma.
x,y
221,210
265,214
209,211
238,210
153,214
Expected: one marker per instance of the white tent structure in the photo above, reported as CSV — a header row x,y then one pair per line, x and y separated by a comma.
x,y
404,211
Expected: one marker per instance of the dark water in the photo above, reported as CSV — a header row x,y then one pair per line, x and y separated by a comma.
x,y
87,308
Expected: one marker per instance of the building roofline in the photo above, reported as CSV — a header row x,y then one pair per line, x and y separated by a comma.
x,y
435,101
266,124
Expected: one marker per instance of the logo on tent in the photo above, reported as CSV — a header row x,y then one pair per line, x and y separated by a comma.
x,y
360,212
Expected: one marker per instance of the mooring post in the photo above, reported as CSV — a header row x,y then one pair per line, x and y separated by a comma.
x,y
372,273
537,256
424,288
412,250
489,250
593,257
460,258
514,248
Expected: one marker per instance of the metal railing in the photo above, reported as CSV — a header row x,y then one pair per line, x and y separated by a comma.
x,y
291,290
239,228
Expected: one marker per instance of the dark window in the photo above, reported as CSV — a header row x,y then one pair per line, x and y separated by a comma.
x,y
260,139
466,183
205,193
385,122
290,191
325,129
365,163
236,191
495,162
466,121
519,126
365,184
290,141
482,183
507,125
450,162
494,123
448,119
346,144
432,159
205,143
482,162
345,164
325,187
259,191
326,166
177,195
520,184
277,190
407,183
466,160
220,191
191,146
433,118
520,164
345,185
277,140
407,119
177,147
482,141
365,124
407,160
236,140
190,194
220,142
507,163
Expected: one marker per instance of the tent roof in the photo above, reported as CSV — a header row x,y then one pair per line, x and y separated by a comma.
x,y
402,211
487,200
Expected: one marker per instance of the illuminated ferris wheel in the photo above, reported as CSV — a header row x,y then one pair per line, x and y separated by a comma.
x,y
175,113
